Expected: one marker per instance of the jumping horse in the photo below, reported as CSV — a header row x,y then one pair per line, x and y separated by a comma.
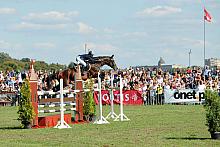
x,y
68,74
95,67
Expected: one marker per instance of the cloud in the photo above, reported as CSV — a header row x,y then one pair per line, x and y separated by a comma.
x,y
51,16
79,27
85,29
35,26
194,42
214,4
7,11
4,44
158,11
135,34
182,2
9,47
108,30
101,47
184,42
44,45
97,48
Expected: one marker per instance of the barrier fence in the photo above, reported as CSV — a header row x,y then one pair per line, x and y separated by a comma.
x,y
170,96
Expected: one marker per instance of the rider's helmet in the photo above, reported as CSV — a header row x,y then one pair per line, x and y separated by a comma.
x,y
90,53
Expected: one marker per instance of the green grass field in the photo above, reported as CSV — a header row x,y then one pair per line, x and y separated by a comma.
x,y
167,125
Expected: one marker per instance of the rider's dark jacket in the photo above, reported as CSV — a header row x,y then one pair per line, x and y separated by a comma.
x,y
87,57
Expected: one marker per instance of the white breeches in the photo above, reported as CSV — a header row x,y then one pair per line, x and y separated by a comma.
x,y
79,60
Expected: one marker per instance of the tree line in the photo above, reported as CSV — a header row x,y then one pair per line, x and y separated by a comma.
x,y
8,63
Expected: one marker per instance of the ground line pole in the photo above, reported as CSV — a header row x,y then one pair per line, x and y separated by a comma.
x,y
101,119
112,113
100,95
61,124
121,98
121,116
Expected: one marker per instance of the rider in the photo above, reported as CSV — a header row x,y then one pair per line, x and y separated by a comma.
x,y
84,59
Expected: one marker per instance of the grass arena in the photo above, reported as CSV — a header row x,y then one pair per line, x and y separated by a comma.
x,y
159,125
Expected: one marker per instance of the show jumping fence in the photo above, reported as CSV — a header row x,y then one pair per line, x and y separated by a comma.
x,y
56,100
121,116
73,98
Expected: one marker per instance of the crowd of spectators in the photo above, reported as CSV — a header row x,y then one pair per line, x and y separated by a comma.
x,y
153,82
150,82
9,81
142,79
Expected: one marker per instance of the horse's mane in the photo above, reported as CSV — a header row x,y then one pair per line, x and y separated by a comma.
x,y
101,57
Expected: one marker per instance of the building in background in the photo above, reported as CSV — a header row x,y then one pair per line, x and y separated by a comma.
x,y
161,62
213,63
163,66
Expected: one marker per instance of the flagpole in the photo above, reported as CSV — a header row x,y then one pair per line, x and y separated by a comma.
x,y
204,38
207,17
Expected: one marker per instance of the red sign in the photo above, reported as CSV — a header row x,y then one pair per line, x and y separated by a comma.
x,y
131,97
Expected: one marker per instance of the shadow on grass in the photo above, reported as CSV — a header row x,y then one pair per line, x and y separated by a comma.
x,y
11,128
188,138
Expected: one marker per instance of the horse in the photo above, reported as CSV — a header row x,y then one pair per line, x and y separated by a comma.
x,y
68,75
95,67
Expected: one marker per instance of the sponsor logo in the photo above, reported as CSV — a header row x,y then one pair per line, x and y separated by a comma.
x,y
189,95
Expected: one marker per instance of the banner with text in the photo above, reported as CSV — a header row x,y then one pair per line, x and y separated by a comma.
x,y
131,97
183,96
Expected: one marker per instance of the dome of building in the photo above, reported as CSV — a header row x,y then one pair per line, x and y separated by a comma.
x,y
161,61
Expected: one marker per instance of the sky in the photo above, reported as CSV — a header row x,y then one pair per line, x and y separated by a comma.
x,y
137,32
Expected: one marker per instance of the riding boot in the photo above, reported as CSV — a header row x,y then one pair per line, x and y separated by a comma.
x,y
83,68
87,67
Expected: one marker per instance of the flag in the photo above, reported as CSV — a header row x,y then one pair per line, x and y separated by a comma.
x,y
207,16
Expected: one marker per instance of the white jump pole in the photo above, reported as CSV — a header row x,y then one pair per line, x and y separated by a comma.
x,y
112,113
121,116
61,124
101,119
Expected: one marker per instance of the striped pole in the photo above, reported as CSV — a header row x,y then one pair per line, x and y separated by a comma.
x,y
101,119
112,113
121,116
121,99
56,105
61,124
56,110
100,94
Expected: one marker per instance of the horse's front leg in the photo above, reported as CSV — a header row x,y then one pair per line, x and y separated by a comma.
x,y
84,75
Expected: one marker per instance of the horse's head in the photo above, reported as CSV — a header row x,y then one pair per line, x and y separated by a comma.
x,y
105,60
50,81
112,63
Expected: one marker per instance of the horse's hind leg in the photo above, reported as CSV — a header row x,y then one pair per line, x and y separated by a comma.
x,y
65,82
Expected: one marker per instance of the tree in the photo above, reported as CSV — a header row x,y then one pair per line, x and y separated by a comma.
x,y
71,65
26,110
25,59
212,107
4,56
89,107
8,63
11,64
